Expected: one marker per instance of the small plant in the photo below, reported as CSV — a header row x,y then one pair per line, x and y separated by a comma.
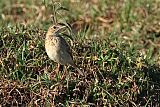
x,y
116,44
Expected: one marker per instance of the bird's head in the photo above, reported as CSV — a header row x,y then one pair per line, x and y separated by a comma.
x,y
56,28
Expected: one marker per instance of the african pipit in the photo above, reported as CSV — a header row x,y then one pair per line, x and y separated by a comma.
x,y
57,48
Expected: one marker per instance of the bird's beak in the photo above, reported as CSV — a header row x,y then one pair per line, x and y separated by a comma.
x,y
60,27
64,25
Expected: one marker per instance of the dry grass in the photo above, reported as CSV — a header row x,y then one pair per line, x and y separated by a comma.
x,y
116,43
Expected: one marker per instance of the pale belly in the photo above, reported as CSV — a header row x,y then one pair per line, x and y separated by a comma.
x,y
51,51
52,54
58,55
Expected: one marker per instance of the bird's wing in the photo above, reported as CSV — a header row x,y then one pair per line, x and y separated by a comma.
x,y
64,45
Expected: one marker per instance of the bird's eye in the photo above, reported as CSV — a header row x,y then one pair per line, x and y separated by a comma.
x,y
54,27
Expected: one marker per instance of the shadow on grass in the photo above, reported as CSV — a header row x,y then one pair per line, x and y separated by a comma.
x,y
150,94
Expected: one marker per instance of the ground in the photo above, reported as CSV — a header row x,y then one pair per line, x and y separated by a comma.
x,y
115,42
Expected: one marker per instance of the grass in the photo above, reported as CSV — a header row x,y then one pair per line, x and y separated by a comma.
x,y
115,42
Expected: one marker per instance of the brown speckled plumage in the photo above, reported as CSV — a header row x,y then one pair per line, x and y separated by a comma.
x,y
58,49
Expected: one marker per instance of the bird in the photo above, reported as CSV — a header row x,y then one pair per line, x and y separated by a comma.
x,y
58,49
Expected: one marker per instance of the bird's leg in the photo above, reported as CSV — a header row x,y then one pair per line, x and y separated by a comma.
x,y
55,72
64,74
58,68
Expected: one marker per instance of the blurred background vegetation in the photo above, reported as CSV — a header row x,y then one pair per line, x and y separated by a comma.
x,y
116,43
